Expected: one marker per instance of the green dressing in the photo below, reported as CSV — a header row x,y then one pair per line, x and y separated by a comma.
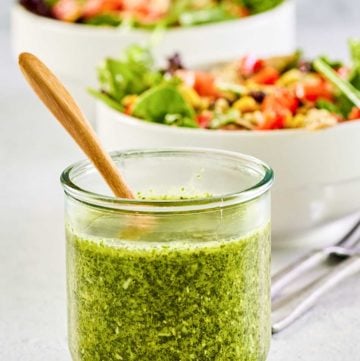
x,y
169,301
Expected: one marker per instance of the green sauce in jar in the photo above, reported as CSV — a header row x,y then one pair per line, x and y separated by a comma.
x,y
166,301
180,277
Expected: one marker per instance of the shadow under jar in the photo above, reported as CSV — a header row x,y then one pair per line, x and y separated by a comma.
x,y
180,273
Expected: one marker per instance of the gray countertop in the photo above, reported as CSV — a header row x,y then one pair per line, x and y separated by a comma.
x,y
33,152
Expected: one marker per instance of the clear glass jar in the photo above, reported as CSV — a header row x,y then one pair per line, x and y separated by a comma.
x,y
180,273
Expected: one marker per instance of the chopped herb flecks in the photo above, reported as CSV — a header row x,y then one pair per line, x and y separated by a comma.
x,y
201,301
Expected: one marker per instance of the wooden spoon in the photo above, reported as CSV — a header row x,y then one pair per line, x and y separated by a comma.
x,y
59,101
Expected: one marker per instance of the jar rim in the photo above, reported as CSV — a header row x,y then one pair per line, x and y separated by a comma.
x,y
163,205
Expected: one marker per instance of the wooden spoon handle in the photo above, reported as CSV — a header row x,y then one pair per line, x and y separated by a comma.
x,y
62,105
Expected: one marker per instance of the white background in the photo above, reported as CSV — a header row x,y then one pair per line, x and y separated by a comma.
x,y
33,152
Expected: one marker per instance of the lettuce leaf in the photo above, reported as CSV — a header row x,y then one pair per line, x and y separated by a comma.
x,y
132,74
164,104
259,6
104,19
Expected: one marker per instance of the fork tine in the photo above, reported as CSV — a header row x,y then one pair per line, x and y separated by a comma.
x,y
291,272
351,238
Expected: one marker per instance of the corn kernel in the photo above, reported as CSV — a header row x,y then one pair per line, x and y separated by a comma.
x,y
190,95
290,77
246,104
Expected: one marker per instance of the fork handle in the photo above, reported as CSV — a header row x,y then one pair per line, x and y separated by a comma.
x,y
343,270
285,276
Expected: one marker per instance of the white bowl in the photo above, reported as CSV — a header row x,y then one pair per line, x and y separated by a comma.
x,y
317,173
73,50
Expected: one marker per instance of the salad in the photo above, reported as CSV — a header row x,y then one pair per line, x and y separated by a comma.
x,y
247,94
148,13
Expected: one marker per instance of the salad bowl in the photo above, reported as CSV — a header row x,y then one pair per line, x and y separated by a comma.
x,y
317,177
74,50
300,116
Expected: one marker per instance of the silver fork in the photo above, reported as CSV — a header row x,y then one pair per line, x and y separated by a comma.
x,y
345,248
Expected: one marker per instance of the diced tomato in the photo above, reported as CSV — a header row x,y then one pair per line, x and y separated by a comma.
x,y
205,84
67,10
146,11
282,98
204,119
95,7
354,114
266,76
274,119
313,88
159,6
202,82
249,65
276,108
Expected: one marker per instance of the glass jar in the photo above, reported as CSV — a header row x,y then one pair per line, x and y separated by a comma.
x,y
180,273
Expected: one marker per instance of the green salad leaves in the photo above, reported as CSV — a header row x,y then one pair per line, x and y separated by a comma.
x,y
164,104
248,94
349,89
159,99
259,6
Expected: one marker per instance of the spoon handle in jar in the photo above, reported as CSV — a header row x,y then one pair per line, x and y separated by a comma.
x,y
62,105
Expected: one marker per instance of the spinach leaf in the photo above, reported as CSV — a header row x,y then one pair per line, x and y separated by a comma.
x,y
259,6
327,105
161,104
104,19
133,74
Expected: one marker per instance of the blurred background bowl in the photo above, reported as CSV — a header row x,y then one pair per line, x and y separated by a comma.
x,y
73,51
317,177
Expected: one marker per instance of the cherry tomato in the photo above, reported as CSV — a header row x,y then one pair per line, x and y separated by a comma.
x,y
313,88
282,98
202,82
267,76
354,114
274,119
276,108
95,7
146,11
204,119
205,84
